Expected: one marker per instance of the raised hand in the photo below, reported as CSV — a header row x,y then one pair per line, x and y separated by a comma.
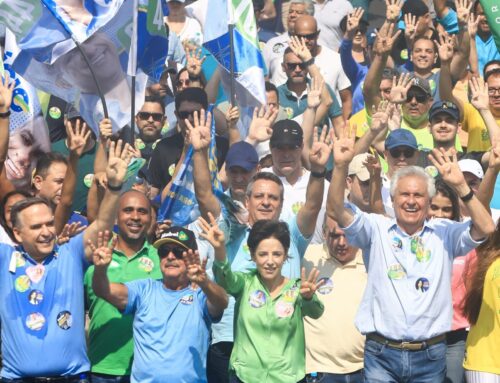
x,y
445,47
70,230
232,116
393,10
320,150
211,232
395,116
78,135
385,40
464,8
472,25
314,92
308,286
6,90
162,226
373,165
479,93
196,269
353,20
343,146
102,252
194,61
380,117
400,88
410,28
199,135
299,48
118,159
494,160
447,167
261,126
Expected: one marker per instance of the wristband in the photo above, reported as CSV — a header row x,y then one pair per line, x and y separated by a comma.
x,y
5,115
115,188
468,196
319,174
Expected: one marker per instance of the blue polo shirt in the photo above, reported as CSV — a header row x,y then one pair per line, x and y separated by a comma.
x,y
171,332
42,312
408,294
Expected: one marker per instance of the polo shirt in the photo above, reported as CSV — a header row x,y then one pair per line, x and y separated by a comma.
x,y
42,312
408,294
111,348
171,332
269,332
333,344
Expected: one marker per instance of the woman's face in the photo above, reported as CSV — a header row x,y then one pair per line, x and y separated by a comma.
x,y
440,207
269,257
8,207
18,160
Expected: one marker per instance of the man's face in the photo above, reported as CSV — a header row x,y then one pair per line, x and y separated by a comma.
x,y
309,32
423,55
494,91
171,263
272,100
294,69
473,181
336,242
400,157
150,120
359,192
385,89
411,203
134,217
186,110
417,105
239,179
36,231
286,159
483,25
264,202
294,12
50,187
444,129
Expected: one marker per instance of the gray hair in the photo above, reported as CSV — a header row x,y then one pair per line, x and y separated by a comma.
x,y
308,4
268,176
413,171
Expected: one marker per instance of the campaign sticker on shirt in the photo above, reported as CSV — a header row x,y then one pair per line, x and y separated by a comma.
x,y
146,264
296,207
257,299
283,309
35,321
35,297
35,273
87,180
290,295
289,112
422,284
423,255
278,47
64,320
397,243
55,113
187,299
139,144
20,261
327,286
22,283
432,171
396,272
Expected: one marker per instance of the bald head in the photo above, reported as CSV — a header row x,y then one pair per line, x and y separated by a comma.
x,y
306,28
134,194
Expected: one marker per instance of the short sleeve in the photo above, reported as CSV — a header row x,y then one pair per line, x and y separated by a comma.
x,y
334,109
296,235
135,295
75,248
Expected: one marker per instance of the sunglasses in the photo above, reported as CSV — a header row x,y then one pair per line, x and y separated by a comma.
x,y
163,251
310,36
186,82
407,152
421,98
146,116
292,66
183,115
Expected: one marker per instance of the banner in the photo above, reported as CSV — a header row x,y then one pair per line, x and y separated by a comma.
x,y
492,12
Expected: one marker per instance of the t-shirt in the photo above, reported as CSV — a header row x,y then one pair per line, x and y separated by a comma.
x,y
171,332
42,312
473,123
328,14
111,348
487,50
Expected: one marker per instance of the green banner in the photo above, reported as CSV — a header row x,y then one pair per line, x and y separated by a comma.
x,y
492,12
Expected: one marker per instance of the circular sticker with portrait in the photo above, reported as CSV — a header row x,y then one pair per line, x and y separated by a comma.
x,y
283,309
35,321
422,284
22,283
257,299
64,320
35,297
326,287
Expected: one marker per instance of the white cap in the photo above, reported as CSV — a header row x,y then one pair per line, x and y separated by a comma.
x,y
471,166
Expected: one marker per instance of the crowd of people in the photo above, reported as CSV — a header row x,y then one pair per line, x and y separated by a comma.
x,y
355,238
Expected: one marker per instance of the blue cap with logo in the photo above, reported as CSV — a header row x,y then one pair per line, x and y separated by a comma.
x,y
444,107
242,154
400,137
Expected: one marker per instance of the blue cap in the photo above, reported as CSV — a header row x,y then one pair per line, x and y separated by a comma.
x,y
400,137
242,154
444,107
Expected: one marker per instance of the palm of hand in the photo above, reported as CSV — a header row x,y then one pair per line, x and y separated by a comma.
x,y
392,12
196,274
343,150
260,129
319,153
398,94
480,100
116,169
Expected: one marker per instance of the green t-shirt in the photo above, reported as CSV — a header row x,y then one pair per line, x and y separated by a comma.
x,y
111,346
84,175
269,343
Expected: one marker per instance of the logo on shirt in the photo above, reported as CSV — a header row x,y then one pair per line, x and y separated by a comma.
x,y
397,243
417,248
327,286
187,299
64,320
35,297
278,47
422,284
171,170
146,264
432,171
257,299
22,283
396,272
20,261
296,207
35,321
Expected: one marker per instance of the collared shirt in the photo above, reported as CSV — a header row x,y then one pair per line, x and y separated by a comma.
x,y
273,57
269,339
333,344
42,312
111,347
408,295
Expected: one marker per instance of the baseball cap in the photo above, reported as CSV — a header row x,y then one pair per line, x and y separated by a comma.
x,y
242,154
469,165
422,84
400,137
358,169
286,132
444,107
179,236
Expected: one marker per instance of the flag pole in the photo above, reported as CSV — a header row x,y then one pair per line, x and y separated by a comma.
x,y
231,63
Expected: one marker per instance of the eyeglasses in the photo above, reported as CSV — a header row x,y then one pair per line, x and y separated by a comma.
x,y
164,251
421,98
147,115
292,66
310,36
186,114
407,152
493,91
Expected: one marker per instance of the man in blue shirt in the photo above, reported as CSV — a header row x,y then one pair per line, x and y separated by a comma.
x,y
41,287
172,316
406,308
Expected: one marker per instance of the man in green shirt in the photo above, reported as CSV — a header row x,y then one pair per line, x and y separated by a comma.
x,y
110,333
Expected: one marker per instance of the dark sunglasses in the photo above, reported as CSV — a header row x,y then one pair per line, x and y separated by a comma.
x,y
421,98
407,152
292,66
310,36
146,116
185,115
163,251
186,82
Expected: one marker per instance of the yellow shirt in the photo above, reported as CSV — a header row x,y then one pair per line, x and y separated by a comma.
x,y
479,138
362,122
333,343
